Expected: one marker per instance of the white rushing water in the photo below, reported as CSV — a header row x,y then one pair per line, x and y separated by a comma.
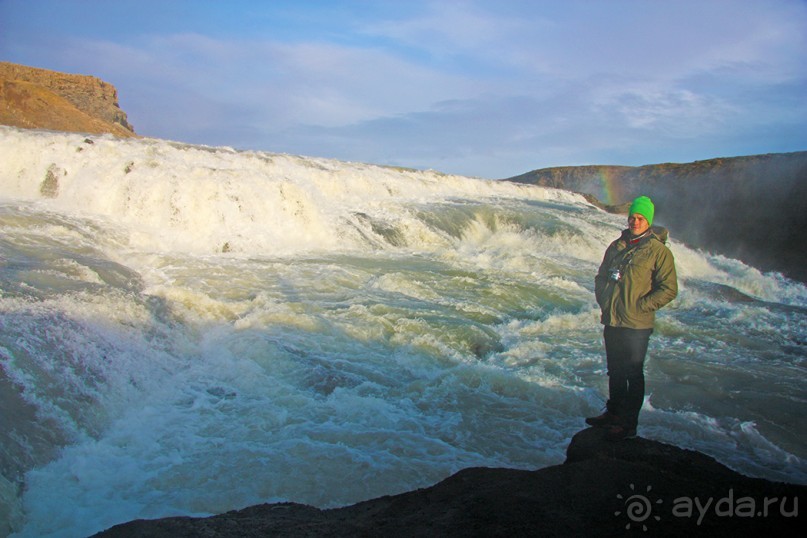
x,y
187,330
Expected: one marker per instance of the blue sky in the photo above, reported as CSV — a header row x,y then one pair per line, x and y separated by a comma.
x,y
482,88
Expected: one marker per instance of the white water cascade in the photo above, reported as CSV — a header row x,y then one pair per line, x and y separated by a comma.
x,y
188,330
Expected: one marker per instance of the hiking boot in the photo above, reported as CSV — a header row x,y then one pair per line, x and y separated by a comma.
x,y
618,432
606,419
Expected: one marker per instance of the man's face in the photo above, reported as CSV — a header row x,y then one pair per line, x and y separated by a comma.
x,y
637,224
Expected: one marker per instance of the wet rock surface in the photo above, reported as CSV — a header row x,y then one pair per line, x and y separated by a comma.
x,y
637,486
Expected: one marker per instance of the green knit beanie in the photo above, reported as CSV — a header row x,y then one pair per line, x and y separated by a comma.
x,y
644,206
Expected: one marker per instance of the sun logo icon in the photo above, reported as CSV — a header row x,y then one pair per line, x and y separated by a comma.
x,y
638,508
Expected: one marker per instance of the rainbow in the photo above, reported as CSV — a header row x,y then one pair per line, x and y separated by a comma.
x,y
610,188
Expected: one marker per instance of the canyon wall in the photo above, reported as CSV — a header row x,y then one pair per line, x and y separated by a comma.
x,y
35,98
753,208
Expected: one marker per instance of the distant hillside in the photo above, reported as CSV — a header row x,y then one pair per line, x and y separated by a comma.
x,y
42,99
752,208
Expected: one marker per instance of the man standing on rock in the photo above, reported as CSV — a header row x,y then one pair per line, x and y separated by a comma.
x,y
636,278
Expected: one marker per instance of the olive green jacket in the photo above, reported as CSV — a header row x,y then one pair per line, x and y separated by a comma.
x,y
647,280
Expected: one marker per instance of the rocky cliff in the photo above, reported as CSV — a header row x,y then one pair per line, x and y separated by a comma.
x,y
42,99
635,487
752,208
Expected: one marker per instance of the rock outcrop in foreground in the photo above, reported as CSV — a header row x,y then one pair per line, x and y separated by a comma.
x,y
35,98
638,486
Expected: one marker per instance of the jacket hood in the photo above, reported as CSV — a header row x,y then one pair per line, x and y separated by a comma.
x,y
659,232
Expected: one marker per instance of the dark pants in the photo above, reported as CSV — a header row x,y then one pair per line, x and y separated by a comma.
x,y
625,350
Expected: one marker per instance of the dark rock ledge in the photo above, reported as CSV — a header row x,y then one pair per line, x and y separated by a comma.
x,y
635,487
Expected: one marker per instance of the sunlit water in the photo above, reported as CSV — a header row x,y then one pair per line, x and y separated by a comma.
x,y
190,330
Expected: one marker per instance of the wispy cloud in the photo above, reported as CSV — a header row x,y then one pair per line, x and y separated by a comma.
x,y
490,89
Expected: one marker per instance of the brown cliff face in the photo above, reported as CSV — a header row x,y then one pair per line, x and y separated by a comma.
x,y
41,99
753,208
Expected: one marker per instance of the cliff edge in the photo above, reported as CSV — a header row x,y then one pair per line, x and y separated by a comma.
x,y
753,208
637,486
35,98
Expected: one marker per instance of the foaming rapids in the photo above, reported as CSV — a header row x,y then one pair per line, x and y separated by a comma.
x,y
187,330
